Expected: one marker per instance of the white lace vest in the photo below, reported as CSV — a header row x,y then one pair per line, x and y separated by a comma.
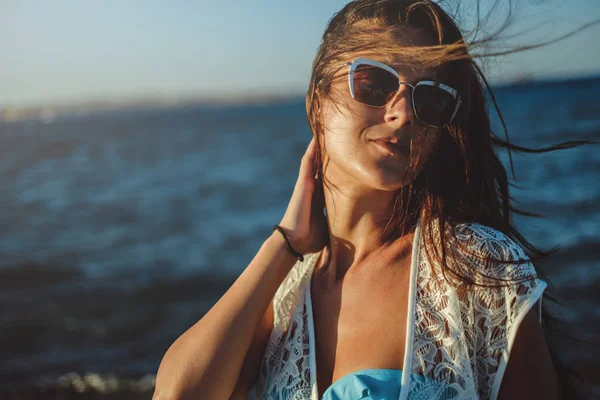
x,y
461,340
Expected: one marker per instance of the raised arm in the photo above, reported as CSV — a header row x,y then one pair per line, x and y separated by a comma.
x,y
222,352
206,361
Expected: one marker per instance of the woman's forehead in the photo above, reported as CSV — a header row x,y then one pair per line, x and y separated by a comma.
x,y
400,64
406,59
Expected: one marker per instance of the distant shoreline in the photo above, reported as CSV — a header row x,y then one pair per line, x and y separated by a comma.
x,y
48,112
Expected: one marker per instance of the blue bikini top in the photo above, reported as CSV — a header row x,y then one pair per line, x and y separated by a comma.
x,y
375,384
380,384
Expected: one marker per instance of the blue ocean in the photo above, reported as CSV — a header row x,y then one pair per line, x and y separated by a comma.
x,y
120,229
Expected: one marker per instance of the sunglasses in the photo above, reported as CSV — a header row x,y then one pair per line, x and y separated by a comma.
x,y
375,84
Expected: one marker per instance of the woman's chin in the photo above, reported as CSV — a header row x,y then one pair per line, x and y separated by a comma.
x,y
389,175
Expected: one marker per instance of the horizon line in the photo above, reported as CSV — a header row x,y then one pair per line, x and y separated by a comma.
x,y
49,110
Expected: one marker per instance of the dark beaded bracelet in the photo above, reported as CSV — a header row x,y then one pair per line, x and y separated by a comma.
x,y
288,245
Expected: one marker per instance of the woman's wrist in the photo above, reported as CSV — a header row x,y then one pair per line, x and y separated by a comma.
x,y
283,260
286,234
277,240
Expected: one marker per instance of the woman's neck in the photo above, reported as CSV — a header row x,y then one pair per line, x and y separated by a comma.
x,y
358,224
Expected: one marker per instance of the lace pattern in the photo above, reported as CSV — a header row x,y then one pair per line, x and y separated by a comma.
x,y
285,369
460,338
463,338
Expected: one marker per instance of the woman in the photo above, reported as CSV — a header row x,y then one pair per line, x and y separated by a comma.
x,y
410,286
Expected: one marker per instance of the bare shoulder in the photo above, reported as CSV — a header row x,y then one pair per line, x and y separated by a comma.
x,y
529,373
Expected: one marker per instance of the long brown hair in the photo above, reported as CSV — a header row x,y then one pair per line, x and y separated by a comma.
x,y
464,180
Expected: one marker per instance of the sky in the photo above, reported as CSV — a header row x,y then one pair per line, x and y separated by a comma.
x,y
69,51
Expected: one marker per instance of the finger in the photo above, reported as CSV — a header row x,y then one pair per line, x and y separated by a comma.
x,y
313,154
318,201
310,149
315,160
308,157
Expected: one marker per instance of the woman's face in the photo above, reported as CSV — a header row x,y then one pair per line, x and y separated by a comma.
x,y
353,155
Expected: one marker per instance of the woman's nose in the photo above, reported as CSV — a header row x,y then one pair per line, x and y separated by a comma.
x,y
399,110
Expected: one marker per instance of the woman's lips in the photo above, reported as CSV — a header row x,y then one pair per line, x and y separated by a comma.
x,y
390,147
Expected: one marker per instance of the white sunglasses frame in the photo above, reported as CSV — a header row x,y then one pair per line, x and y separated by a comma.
x,y
366,61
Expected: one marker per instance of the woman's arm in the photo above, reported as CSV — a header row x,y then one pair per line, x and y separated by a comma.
x,y
205,362
250,369
529,373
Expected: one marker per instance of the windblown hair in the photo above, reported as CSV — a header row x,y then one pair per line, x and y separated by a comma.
x,y
464,180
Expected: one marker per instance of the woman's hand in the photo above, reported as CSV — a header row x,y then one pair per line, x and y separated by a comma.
x,y
304,222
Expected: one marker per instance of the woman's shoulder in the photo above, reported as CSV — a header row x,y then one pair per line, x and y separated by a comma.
x,y
490,252
488,241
